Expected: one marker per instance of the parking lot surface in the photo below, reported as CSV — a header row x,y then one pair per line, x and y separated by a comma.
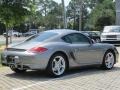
x,y
87,78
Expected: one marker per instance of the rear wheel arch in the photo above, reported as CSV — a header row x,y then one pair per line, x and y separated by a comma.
x,y
60,52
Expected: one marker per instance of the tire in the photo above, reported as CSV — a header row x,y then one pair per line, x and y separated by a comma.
x,y
108,60
57,65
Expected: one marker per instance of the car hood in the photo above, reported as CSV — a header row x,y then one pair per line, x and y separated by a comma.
x,y
25,45
111,33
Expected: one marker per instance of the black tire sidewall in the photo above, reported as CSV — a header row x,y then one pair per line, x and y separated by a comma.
x,y
49,68
104,64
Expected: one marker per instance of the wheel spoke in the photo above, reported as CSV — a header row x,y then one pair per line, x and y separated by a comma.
x,y
109,60
58,65
54,69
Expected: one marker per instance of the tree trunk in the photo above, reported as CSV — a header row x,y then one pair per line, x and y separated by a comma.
x,y
74,16
7,41
11,36
81,15
64,15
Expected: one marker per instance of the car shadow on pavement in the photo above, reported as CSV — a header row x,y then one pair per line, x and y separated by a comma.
x,y
72,73
34,75
86,71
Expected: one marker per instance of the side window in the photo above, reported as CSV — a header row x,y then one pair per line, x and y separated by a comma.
x,y
67,39
76,38
93,34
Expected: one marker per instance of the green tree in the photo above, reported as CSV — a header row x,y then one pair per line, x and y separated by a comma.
x,y
54,17
12,12
50,14
2,28
73,12
102,15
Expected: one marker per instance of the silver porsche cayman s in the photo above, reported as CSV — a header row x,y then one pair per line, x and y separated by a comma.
x,y
58,50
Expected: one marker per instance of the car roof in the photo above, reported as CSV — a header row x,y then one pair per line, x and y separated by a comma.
x,y
113,26
89,31
62,31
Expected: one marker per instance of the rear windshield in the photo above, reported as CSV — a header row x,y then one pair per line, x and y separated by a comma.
x,y
41,37
111,29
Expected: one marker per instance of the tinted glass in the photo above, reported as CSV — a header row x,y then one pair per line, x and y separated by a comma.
x,y
76,38
41,37
85,33
93,34
67,39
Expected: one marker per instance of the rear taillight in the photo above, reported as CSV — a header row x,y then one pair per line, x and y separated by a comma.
x,y
38,49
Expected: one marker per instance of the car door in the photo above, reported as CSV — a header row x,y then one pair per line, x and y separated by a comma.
x,y
83,50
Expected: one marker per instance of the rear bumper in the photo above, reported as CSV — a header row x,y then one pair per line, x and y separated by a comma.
x,y
25,60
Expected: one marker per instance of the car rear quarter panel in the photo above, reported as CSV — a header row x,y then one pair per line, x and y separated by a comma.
x,y
62,47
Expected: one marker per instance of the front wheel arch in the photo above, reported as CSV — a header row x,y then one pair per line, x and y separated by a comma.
x,y
103,62
112,52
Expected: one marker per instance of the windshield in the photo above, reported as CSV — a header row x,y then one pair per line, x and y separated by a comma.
x,y
111,29
41,37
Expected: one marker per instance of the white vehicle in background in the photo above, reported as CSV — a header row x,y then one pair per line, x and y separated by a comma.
x,y
34,31
31,32
111,34
13,33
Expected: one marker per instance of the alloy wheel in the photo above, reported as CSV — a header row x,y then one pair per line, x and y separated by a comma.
x,y
58,65
109,60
